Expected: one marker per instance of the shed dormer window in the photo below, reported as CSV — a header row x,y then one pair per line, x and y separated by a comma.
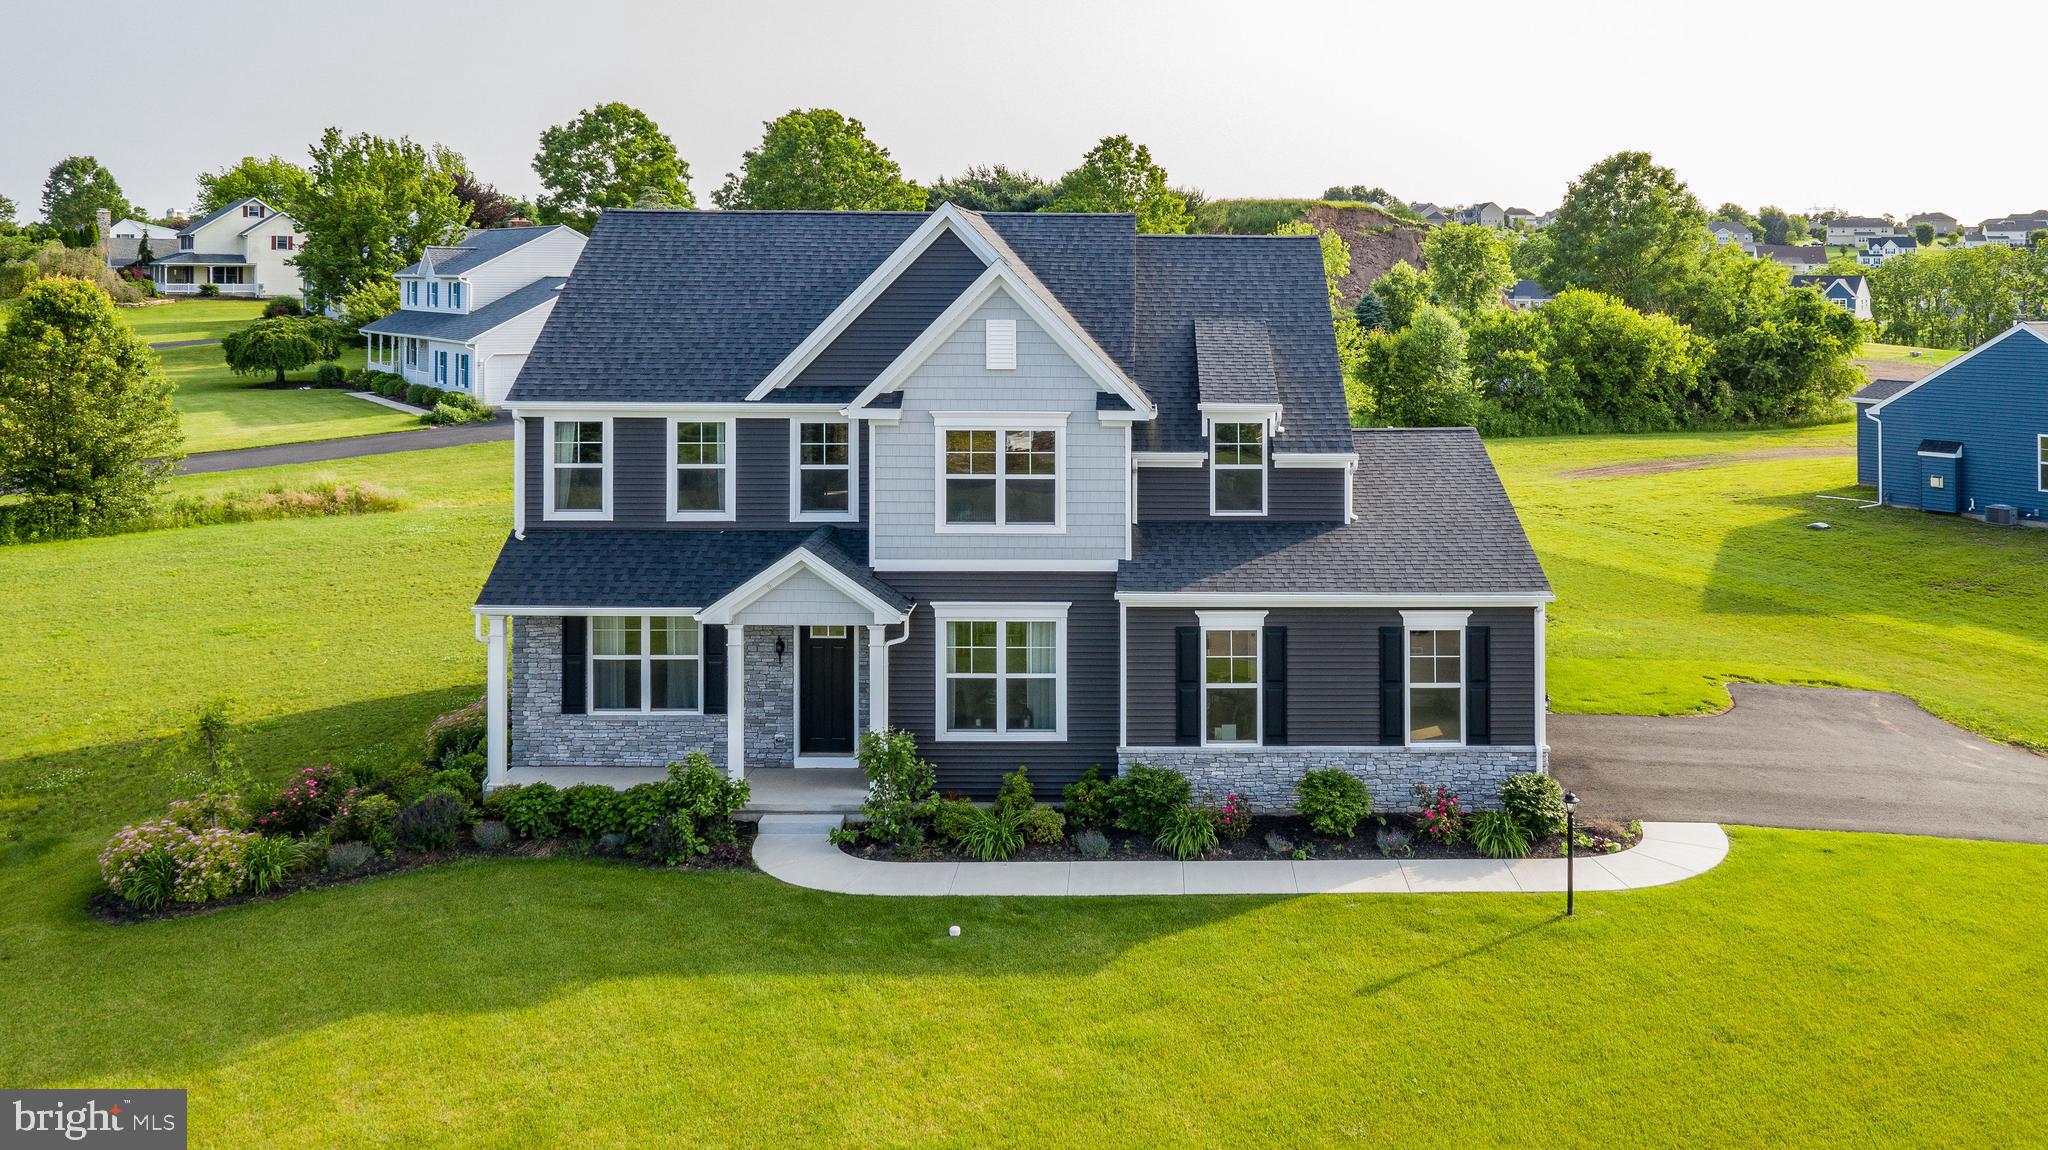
x,y
1237,467
184,243
412,293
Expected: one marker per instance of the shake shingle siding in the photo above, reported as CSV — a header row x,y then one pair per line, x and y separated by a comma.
x,y
1293,494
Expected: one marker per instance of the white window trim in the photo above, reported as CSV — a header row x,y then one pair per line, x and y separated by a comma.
x,y
2041,462
1002,614
1411,622
1264,468
547,501
646,659
668,488
1000,422
455,294
1255,622
796,469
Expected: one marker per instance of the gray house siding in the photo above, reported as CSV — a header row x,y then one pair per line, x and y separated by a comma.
x,y
976,769
1995,404
1292,493
640,480
900,314
1332,673
955,379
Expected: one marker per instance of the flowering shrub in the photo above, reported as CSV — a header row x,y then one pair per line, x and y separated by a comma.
x,y
205,811
208,863
1442,819
306,804
1234,819
368,818
456,733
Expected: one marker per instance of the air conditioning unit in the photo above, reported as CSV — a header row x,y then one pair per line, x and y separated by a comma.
x,y
2001,514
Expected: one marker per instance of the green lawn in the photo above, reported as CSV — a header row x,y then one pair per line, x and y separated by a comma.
x,y
1668,584
191,318
1935,356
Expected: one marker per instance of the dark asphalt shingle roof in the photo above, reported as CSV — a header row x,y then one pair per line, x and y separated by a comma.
x,y
1879,390
1234,362
1940,447
651,568
461,327
1432,519
201,258
488,244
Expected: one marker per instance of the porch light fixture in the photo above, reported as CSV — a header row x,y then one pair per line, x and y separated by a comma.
x,y
779,647
1571,807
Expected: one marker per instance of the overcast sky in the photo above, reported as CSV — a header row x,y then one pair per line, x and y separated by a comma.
x,y
1790,103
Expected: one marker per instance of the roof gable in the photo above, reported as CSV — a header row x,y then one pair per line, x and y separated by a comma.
x,y
195,226
2039,332
478,248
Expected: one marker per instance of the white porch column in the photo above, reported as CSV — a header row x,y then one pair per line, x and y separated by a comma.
x,y
497,695
1542,691
735,701
878,678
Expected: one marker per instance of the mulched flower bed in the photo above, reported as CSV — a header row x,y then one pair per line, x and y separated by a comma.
x,y
1274,837
112,909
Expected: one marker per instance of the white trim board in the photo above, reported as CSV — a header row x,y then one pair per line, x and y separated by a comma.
x,y
770,577
1329,599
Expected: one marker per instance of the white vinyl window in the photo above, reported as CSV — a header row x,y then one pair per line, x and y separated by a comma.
x,y
1002,671
462,370
1237,469
579,472
825,458
700,466
440,367
1000,475
2041,443
412,293
645,663
455,296
1436,686
1230,678
412,352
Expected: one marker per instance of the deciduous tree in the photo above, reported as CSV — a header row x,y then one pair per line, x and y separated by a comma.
x,y
274,180
1417,377
1119,176
1779,227
1627,227
609,156
77,188
286,343
818,160
993,189
1336,258
1403,290
87,432
1469,267
373,206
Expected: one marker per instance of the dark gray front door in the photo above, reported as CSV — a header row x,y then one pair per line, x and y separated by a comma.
x,y
824,722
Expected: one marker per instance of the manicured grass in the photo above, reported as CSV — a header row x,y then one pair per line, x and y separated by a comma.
x,y
1815,990
221,410
1670,583
1935,356
191,318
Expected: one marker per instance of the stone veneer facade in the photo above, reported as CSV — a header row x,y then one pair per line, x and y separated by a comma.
x,y
542,736
1267,776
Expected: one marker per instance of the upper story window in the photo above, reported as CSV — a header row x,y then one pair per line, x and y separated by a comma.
x,y
823,485
455,295
252,211
1004,474
281,243
185,243
412,293
1237,469
1004,670
645,663
434,294
578,474
700,464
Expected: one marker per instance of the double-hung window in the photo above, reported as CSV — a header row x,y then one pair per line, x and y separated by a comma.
x,y
412,353
1003,670
645,663
2041,445
412,293
1237,469
185,243
462,370
434,294
1000,473
1436,685
578,481
455,296
823,485
440,367
1230,678
700,464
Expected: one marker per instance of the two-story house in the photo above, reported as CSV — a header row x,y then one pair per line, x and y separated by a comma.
x,y
244,249
468,313
1942,223
1854,231
1733,232
1883,248
2013,231
1850,293
1034,488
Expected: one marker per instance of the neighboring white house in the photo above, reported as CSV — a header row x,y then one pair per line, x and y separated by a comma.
x,y
1734,232
1851,231
1796,258
1884,248
244,249
1486,215
1852,293
1522,217
2012,231
160,237
468,313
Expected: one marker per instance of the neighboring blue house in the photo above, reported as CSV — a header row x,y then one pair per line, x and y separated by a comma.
x,y
1971,434
1850,293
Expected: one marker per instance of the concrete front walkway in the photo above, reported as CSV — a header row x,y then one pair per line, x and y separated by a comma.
x,y
794,849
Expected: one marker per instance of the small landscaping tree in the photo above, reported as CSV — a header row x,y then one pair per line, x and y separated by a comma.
x,y
286,343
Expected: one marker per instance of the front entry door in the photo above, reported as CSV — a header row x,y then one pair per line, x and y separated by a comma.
x,y
824,721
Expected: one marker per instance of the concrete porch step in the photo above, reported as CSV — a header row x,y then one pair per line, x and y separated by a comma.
x,y
800,824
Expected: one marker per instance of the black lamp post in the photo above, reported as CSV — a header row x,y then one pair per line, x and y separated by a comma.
x,y
1571,806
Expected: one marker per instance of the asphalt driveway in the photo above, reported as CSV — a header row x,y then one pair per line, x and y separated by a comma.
x,y
1809,757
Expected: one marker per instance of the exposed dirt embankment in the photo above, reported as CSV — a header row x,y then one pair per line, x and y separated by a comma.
x,y
1376,239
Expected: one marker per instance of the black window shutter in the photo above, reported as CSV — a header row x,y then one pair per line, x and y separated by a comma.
x,y
575,645
1187,683
1478,686
1273,666
1393,675
714,669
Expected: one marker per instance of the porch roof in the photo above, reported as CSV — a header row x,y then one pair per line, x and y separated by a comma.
x,y
214,258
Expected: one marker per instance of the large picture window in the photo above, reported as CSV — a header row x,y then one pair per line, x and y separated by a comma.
x,y
576,469
1002,671
1000,477
824,470
700,460
1237,469
1230,685
1436,686
645,663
